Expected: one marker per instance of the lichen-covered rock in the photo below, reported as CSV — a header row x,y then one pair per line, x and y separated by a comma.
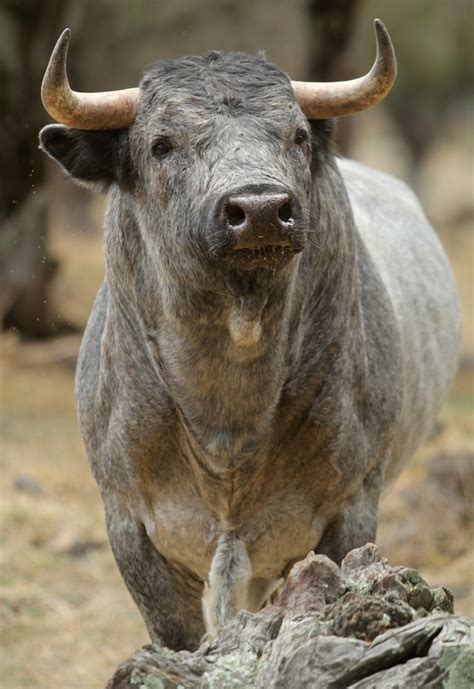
x,y
311,584
365,617
366,625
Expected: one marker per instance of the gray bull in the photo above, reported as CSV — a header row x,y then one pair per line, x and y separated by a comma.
x,y
274,336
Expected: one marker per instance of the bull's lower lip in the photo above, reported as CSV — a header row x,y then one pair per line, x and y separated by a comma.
x,y
263,257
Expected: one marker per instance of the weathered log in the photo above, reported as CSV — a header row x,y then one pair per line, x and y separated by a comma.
x,y
366,625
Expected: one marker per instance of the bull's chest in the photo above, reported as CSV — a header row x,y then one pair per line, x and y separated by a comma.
x,y
275,532
240,538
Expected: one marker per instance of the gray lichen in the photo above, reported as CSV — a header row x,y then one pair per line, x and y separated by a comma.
x,y
232,671
145,681
459,662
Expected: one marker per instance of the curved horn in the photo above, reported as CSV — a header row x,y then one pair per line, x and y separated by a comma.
x,y
324,100
107,110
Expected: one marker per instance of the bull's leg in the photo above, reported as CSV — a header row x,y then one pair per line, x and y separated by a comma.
x,y
168,597
355,524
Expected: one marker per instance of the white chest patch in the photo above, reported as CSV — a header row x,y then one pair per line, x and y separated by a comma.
x,y
245,329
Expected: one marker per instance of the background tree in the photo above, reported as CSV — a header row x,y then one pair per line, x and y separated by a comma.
x,y
26,28
330,28
433,41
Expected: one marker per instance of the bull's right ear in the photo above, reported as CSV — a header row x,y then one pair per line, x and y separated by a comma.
x,y
94,157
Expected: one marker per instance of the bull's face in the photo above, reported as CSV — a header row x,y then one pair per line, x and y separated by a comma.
x,y
222,158
215,169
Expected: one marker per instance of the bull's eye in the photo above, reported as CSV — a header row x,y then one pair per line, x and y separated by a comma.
x,y
301,137
161,147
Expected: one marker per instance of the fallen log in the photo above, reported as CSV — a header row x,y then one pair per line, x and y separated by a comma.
x,y
365,625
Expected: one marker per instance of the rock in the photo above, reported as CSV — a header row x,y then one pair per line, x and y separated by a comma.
x,y
70,543
27,484
366,625
311,584
366,617
80,548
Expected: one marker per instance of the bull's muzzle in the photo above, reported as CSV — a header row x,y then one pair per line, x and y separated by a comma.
x,y
260,220
262,226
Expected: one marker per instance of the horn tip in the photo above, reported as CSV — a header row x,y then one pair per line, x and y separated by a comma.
x,y
60,50
54,75
65,35
380,28
384,42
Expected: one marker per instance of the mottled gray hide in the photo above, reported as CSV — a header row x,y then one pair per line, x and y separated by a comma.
x,y
240,412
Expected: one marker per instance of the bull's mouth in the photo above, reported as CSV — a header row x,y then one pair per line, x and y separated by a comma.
x,y
271,257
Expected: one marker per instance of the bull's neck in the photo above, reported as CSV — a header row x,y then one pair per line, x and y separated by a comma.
x,y
223,357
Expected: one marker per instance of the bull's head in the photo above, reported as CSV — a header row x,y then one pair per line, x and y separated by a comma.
x,y
214,154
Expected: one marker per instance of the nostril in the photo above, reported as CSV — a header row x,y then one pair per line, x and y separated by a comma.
x,y
284,212
235,215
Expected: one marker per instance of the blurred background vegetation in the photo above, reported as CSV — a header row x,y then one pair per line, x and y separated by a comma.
x,y
64,611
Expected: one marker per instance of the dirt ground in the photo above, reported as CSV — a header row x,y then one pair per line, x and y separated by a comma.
x,y
66,618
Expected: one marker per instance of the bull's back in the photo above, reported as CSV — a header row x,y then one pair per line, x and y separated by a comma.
x,y
416,273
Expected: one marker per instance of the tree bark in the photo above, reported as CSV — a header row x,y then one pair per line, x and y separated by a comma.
x,y
330,29
26,267
366,625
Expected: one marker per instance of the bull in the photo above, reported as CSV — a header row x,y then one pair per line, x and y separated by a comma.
x,y
274,336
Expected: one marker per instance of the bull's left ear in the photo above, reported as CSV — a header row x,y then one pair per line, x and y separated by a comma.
x,y
95,157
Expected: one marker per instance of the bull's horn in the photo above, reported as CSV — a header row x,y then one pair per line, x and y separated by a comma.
x,y
108,110
324,100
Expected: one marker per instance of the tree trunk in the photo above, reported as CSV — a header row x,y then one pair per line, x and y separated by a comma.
x,y
365,626
25,265
330,28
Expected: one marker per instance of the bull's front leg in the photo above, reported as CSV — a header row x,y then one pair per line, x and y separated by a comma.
x,y
355,524
168,597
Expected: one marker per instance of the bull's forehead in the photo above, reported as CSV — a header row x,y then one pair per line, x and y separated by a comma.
x,y
220,83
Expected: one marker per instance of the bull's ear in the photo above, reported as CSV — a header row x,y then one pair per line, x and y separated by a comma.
x,y
94,157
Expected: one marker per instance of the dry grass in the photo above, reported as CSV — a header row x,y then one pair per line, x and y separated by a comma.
x,y
65,616
62,616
